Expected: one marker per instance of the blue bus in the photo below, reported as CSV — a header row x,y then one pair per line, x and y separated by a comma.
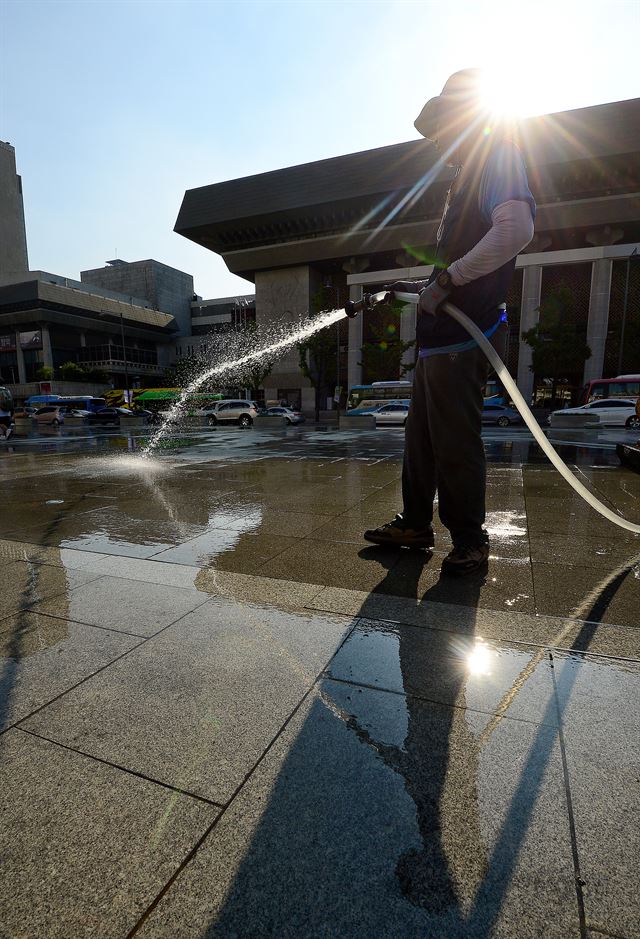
x,y
80,402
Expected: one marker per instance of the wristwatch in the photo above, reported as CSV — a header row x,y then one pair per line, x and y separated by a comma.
x,y
444,280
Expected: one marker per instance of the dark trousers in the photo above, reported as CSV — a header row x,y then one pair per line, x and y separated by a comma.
x,y
443,449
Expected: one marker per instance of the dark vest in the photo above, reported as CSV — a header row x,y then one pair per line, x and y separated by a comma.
x,y
462,229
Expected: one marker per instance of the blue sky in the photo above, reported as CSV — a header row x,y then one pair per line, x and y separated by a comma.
x,y
115,108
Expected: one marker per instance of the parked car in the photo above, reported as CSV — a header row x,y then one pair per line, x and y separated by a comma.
x,y
232,411
290,416
500,414
614,412
49,415
105,417
76,414
393,413
25,413
137,414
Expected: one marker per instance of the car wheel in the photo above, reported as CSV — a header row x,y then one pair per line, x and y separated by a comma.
x,y
211,421
245,421
55,422
503,421
288,421
633,423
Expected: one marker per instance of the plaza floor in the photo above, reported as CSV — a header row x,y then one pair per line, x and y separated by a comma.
x,y
223,715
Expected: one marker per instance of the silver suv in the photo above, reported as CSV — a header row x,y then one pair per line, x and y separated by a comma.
x,y
232,411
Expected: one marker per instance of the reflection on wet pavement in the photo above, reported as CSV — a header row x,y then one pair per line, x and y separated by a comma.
x,y
306,735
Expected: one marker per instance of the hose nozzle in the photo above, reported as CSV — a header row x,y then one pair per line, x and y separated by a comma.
x,y
368,301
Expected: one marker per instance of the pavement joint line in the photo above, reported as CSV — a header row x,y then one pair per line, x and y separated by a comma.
x,y
118,766
578,881
603,931
28,608
98,671
80,622
354,683
196,847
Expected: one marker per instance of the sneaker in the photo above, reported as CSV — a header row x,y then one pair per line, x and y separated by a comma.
x,y
466,559
8,433
401,535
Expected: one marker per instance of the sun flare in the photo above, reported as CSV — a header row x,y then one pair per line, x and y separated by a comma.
x,y
513,96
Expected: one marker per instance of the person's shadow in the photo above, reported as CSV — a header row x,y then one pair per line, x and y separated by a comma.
x,y
424,875
309,868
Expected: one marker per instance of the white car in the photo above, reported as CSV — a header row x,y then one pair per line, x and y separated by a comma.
x,y
614,412
232,411
389,414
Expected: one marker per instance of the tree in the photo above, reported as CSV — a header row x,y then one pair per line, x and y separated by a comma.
x,y
71,371
317,354
183,371
261,368
382,354
559,351
97,375
44,373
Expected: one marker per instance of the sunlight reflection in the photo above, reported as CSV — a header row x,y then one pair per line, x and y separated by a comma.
x,y
478,661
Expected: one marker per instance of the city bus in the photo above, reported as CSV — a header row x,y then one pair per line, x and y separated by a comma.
x,y
623,386
365,398
79,402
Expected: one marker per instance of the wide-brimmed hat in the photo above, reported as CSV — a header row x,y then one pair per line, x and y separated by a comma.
x,y
461,89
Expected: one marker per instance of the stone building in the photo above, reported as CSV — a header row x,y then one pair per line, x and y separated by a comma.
x,y
357,221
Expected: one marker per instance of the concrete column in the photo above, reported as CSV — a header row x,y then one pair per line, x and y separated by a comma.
x,y
354,350
83,340
47,354
529,314
22,371
598,317
284,295
408,316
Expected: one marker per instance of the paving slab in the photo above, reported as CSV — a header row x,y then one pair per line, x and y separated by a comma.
x,y
196,706
130,606
449,616
379,815
43,656
332,564
20,550
448,668
26,583
141,569
266,591
600,708
601,639
609,595
85,846
229,550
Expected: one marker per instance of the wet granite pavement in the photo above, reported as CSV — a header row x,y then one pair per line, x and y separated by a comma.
x,y
222,714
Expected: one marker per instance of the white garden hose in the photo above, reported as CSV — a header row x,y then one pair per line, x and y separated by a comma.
x,y
527,416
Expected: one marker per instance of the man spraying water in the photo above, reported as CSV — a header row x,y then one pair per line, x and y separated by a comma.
x,y
487,220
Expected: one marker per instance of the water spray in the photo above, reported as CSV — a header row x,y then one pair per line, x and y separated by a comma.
x,y
369,301
278,340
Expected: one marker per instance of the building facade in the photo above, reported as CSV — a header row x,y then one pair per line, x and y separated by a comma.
x,y
47,320
13,235
365,219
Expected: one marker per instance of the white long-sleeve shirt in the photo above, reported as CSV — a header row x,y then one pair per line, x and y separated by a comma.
x,y
511,231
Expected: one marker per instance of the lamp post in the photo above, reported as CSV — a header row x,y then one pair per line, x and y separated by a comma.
x,y
633,256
